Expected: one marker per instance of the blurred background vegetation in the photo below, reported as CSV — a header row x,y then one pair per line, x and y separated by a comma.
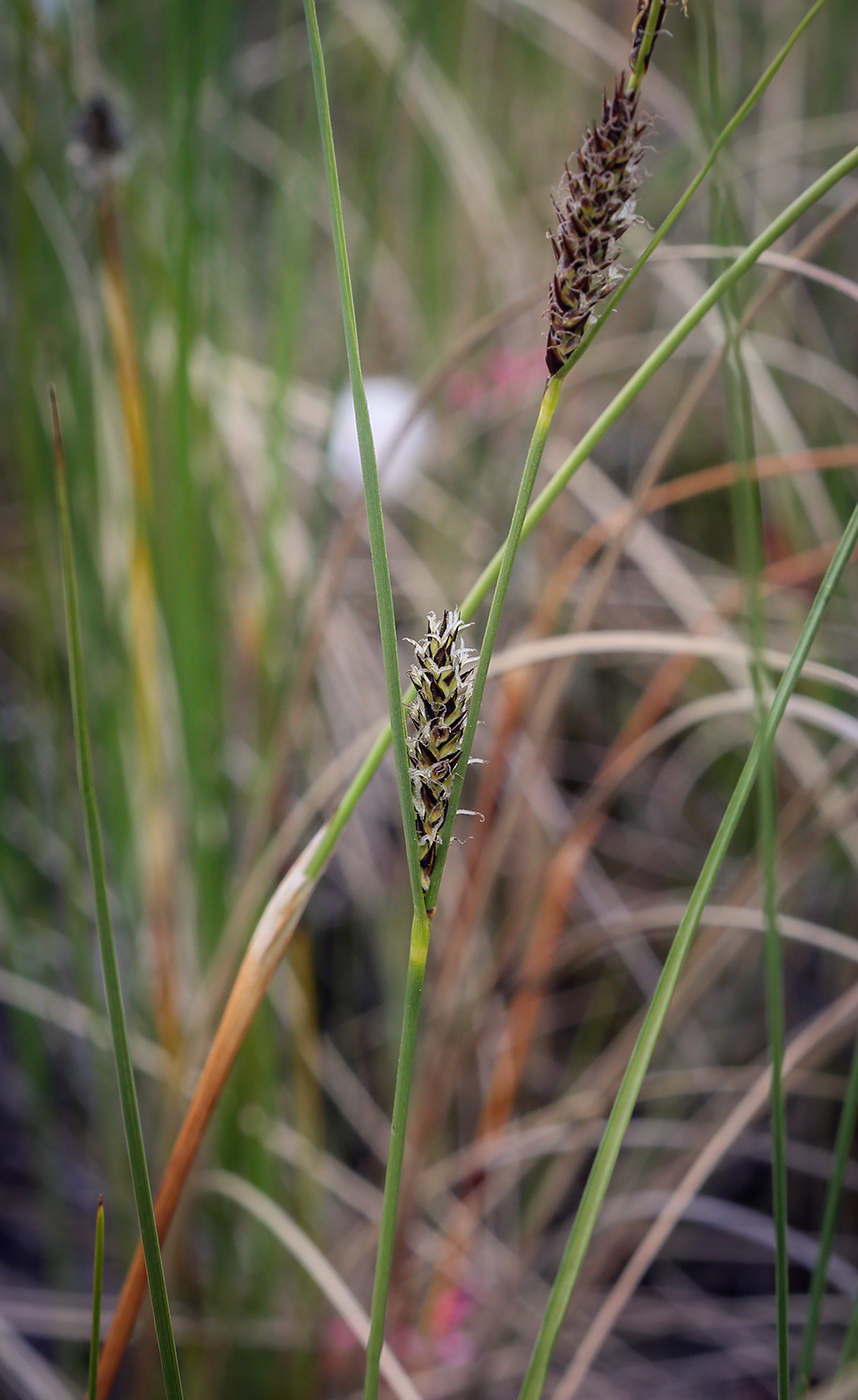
x,y
176,282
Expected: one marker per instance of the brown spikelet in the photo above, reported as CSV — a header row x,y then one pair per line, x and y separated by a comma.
x,y
439,712
595,207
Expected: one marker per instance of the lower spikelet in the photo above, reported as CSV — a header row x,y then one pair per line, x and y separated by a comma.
x,y
439,712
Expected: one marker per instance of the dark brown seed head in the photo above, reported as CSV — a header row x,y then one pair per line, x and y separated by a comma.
x,y
595,207
439,712
99,141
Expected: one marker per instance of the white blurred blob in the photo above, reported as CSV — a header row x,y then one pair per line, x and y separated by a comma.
x,y
391,402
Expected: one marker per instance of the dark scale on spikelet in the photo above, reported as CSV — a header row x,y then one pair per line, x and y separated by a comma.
x,y
439,712
596,206
639,29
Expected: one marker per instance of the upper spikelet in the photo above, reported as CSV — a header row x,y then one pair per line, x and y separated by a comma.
x,y
595,207
439,712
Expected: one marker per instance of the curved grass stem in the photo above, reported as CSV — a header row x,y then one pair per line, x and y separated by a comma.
x,y
601,1172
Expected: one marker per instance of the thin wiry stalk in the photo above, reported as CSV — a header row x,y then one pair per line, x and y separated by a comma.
x,y
748,529
850,1345
109,964
369,467
645,31
525,490
420,928
842,1151
601,1172
393,1176
97,1276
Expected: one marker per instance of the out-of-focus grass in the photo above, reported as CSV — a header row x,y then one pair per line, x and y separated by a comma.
x,y
452,121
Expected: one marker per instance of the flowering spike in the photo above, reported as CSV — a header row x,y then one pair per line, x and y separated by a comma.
x,y
594,211
439,713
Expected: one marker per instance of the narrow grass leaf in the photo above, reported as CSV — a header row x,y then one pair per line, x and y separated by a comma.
x,y
842,1150
110,967
627,1095
97,1276
369,466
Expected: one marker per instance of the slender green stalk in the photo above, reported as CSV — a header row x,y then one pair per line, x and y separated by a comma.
x,y
369,467
654,17
842,1149
384,594
606,420
97,1276
850,1345
624,1103
110,968
420,929
773,955
510,549
748,527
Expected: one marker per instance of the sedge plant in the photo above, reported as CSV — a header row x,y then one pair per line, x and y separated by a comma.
x,y
566,349
596,210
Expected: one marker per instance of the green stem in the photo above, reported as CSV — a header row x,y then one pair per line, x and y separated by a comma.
x,y
393,1176
842,1149
507,559
369,467
110,968
773,953
748,528
627,1095
97,1276
748,525
648,38
850,1345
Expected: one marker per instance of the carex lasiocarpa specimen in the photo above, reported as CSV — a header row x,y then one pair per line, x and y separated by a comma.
x,y
441,676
